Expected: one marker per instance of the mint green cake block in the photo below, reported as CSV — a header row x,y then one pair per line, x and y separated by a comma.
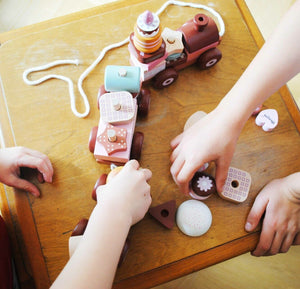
x,y
120,78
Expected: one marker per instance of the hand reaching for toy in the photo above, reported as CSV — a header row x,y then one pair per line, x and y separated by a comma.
x,y
13,159
212,138
128,192
280,201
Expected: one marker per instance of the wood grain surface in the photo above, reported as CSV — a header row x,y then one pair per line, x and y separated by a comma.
x,y
40,117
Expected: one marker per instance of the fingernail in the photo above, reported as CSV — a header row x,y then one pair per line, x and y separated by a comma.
x,y
248,226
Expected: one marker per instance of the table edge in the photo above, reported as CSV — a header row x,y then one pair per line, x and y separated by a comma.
x,y
165,273
285,94
190,264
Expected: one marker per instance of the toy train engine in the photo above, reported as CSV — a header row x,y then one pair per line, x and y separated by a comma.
x,y
160,54
114,140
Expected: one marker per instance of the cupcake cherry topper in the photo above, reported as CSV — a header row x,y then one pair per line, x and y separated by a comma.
x,y
147,22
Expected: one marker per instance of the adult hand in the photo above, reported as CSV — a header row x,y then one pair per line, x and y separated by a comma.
x,y
13,159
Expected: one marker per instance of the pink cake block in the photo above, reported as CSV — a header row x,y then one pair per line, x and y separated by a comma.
x,y
237,186
121,156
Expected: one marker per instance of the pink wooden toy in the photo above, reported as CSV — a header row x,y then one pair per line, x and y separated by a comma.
x,y
237,186
114,140
267,119
164,213
202,186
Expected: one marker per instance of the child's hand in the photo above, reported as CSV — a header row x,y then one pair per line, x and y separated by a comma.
x,y
212,138
14,158
280,201
128,193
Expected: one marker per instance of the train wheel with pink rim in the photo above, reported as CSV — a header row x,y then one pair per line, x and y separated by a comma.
x,y
209,58
165,78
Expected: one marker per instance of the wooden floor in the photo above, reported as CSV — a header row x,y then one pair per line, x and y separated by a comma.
x,y
245,271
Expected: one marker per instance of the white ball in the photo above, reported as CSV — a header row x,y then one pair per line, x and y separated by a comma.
x,y
193,218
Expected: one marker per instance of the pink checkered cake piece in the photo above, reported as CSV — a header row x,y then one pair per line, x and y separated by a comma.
x,y
237,185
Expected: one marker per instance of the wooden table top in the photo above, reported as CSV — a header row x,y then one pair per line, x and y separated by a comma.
x,y
40,117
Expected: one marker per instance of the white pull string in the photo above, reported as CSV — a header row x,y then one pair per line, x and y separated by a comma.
x,y
195,5
61,77
95,63
84,75
126,40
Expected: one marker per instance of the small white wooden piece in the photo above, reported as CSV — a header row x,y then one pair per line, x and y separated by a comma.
x,y
193,218
267,119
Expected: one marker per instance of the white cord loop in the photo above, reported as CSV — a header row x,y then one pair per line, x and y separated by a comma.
x,y
101,56
198,6
61,77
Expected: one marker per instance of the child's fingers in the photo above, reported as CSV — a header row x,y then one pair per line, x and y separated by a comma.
x,y
41,156
174,143
26,186
256,212
37,163
147,173
40,177
266,239
287,242
222,168
134,164
175,154
186,174
297,240
176,167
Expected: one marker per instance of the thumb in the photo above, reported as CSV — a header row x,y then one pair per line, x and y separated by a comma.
x,y
256,212
26,186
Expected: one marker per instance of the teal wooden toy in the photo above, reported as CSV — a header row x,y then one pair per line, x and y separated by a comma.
x,y
120,78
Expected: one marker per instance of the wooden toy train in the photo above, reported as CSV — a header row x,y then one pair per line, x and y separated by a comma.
x,y
114,139
161,54
154,55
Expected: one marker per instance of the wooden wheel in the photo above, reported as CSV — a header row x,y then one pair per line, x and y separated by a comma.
x,y
92,138
137,143
209,58
100,182
165,78
80,227
143,102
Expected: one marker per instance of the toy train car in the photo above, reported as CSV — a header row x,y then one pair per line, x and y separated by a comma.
x,y
160,54
121,98
154,54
